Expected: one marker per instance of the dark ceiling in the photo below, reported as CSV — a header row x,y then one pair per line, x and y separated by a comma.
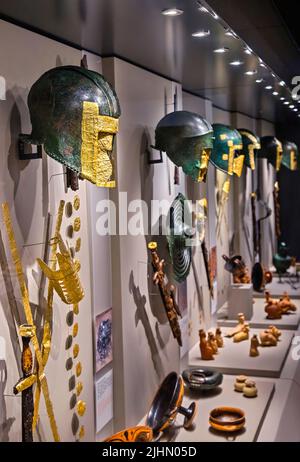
x,y
137,31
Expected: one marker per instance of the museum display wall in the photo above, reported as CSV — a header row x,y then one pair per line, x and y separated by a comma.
x,y
116,271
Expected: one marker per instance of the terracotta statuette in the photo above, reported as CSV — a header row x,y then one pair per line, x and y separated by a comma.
x,y
219,338
206,350
254,347
212,342
240,326
243,335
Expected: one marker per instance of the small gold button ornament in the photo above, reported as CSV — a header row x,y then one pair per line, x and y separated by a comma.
x,y
79,388
78,369
75,329
77,224
81,408
78,245
76,309
81,432
76,203
75,350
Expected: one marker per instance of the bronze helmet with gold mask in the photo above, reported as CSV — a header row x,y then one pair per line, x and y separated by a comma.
x,y
75,113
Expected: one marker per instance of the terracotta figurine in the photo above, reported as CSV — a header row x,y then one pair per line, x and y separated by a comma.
x,y
205,349
219,338
267,339
240,383
212,342
243,335
250,390
286,304
272,308
254,347
274,331
239,327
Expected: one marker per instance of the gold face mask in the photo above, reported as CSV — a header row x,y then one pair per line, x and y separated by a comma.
x,y
97,133
279,154
204,161
235,164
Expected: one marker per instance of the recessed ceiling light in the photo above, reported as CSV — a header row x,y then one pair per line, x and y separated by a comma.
x,y
259,80
269,87
282,83
298,115
221,50
282,98
203,9
230,33
275,93
295,110
236,63
172,12
201,33
291,106
262,65
248,51
273,75
286,103
250,72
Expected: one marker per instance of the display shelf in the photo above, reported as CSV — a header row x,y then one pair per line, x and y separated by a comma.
x,y
259,319
255,410
277,288
234,357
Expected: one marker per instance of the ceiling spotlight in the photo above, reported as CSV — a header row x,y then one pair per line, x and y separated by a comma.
x,y
286,103
298,115
273,75
262,65
275,93
282,98
248,51
201,33
230,33
292,106
259,80
221,50
282,83
236,63
269,87
295,110
250,72
172,12
203,9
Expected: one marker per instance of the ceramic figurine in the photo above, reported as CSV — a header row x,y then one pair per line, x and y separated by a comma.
x,y
250,390
239,327
243,335
254,347
219,338
267,339
236,266
206,350
286,304
272,308
274,331
240,383
212,342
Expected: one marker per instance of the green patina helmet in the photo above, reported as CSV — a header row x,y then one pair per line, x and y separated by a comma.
x,y
290,158
74,113
251,144
187,139
226,152
180,231
271,149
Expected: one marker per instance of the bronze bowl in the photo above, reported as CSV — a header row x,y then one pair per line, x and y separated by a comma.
x,y
167,404
227,419
202,379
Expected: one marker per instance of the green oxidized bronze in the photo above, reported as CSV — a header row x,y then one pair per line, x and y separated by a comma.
x,y
187,139
74,113
271,149
178,238
225,155
282,261
251,144
290,158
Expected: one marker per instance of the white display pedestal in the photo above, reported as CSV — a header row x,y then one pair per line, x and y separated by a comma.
x,y
240,300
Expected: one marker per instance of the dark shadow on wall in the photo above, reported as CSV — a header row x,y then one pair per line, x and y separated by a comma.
x,y
5,423
142,316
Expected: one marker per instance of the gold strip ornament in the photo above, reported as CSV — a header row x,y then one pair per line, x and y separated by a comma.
x,y
47,333
41,378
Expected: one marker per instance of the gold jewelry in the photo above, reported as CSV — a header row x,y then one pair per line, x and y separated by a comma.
x,y
79,388
81,408
78,369
75,350
76,203
77,224
75,330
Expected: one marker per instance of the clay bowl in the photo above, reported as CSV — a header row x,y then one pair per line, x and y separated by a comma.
x,y
227,419
167,404
132,435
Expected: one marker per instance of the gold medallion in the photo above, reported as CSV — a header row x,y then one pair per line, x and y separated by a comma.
x,y
81,432
79,388
78,245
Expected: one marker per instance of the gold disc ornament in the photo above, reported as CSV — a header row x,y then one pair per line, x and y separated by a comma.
x,y
77,224
81,408
76,203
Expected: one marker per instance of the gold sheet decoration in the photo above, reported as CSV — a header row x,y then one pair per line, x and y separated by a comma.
x,y
78,245
97,141
65,281
41,378
78,369
75,351
47,332
238,164
81,408
75,330
79,388
76,309
81,433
